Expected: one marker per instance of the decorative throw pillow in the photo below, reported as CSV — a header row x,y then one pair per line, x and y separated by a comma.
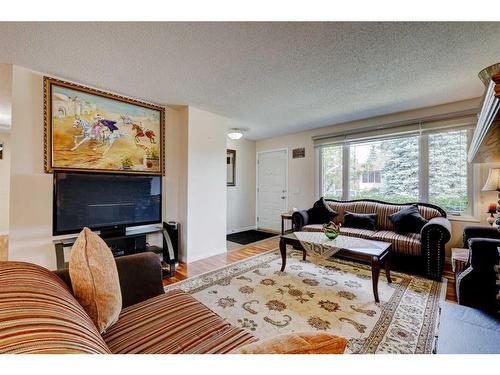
x,y
297,343
360,221
321,212
94,279
408,220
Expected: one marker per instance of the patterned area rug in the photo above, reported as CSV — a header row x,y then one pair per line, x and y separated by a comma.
x,y
333,295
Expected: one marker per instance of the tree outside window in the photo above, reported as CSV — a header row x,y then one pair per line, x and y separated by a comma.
x,y
448,170
385,170
389,170
332,172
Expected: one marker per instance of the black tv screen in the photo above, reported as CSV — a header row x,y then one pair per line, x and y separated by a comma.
x,y
100,201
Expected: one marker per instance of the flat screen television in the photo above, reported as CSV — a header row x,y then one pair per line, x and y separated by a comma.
x,y
104,201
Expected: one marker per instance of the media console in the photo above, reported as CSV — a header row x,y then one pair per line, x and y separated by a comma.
x,y
132,242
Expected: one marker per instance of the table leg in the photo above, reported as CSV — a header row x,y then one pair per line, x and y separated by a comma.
x,y
387,266
283,253
304,254
375,275
282,226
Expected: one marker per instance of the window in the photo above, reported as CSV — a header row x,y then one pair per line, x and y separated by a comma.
x,y
331,175
448,170
384,170
371,177
391,170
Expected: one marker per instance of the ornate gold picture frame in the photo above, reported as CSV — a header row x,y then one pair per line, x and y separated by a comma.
x,y
95,131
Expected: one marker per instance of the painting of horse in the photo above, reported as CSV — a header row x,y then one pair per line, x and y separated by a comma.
x,y
91,130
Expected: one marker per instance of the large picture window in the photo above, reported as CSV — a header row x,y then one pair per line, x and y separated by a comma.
x,y
448,170
393,170
331,172
384,170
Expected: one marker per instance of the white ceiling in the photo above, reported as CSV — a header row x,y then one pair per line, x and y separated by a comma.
x,y
277,78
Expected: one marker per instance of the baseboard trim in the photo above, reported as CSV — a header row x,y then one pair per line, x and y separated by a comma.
x,y
238,230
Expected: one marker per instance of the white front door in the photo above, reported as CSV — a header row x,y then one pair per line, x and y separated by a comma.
x,y
272,192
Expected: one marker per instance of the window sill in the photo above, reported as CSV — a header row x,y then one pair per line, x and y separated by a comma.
x,y
463,218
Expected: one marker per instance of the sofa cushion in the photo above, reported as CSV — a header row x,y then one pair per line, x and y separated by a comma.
x,y
312,228
356,232
38,314
352,232
383,211
297,343
173,322
94,279
408,244
464,330
321,213
360,221
408,220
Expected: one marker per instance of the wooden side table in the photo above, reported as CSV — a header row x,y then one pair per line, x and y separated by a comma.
x,y
459,260
285,216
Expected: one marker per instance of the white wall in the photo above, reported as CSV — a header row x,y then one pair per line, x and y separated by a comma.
x,y
5,115
30,233
301,172
241,198
194,187
206,192
4,183
175,180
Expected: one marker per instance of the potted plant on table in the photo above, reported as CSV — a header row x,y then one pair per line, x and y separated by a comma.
x,y
331,230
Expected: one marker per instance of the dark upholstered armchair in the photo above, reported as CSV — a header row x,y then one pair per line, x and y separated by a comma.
x,y
477,284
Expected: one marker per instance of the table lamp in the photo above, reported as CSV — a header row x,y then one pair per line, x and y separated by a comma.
x,y
493,184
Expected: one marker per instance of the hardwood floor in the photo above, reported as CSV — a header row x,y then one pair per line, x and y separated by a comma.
x,y
201,266
4,242
185,271
451,295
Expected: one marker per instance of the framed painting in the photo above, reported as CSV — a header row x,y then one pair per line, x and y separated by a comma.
x,y
231,167
91,130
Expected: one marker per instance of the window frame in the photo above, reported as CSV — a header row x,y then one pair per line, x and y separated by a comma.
x,y
423,147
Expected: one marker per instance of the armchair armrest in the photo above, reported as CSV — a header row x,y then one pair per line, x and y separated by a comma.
x,y
484,253
140,277
299,219
434,236
479,231
438,223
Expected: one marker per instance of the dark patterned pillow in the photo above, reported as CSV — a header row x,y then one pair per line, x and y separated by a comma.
x,y
321,212
408,220
360,221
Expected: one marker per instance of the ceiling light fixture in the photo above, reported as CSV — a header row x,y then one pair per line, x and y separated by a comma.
x,y
235,133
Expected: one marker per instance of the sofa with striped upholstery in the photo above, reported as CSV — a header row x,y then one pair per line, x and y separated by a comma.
x,y
427,246
39,314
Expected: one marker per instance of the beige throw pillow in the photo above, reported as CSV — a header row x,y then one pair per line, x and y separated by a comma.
x,y
94,279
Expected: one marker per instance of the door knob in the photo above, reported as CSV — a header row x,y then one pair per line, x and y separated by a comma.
x,y
283,197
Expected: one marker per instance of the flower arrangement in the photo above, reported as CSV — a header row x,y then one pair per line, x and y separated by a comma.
x,y
331,230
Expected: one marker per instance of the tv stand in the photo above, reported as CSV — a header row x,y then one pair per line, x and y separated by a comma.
x,y
122,243
112,232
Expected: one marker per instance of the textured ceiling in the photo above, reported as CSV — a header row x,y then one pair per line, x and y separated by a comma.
x,y
277,78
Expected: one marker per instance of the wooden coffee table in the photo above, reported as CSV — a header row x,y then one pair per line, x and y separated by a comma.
x,y
373,252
